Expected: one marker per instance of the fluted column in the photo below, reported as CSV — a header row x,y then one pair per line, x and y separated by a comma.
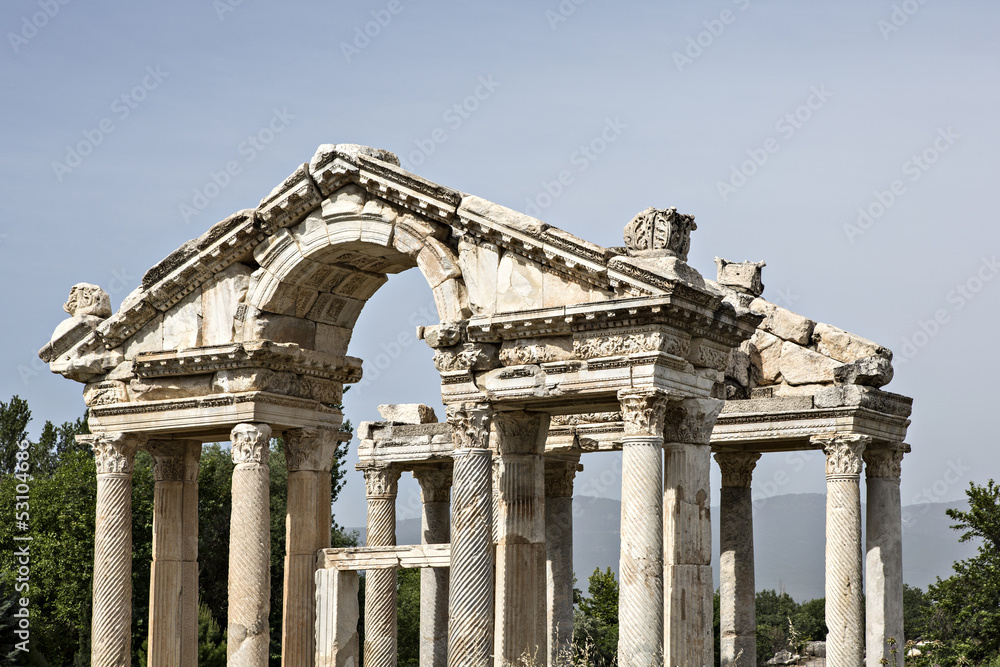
x,y
640,597
173,581
520,553
380,585
470,589
559,476
737,592
845,644
250,548
688,588
309,455
435,528
884,560
111,622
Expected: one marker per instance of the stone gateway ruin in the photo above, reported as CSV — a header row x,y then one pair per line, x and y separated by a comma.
x,y
548,348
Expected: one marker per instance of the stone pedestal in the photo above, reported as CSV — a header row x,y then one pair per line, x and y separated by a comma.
x,y
470,593
380,585
520,550
173,582
309,455
640,598
737,592
884,560
559,559
250,548
111,623
435,528
337,618
845,645
688,588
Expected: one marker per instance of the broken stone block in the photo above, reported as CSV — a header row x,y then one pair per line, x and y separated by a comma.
x,y
765,355
870,371
742,276
783,323
844,346
803,366
408,413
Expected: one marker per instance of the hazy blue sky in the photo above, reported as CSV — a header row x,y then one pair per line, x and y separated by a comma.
x,y
118,114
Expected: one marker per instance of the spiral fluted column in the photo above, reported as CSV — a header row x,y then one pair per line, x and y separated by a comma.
x,y
845,643
381,484
435,528
640,597
559,476
884,558
173,581
309,455
470,590
737,592
111,623
250,548
688,588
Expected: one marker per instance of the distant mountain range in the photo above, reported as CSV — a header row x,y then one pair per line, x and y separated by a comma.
x,y
789,541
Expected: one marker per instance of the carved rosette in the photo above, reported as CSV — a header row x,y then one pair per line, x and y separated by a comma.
x,y
311,448
843,454
737,468
114,453
691,421
661,229
380,480
643,411
251,443
470,425
435,484
559,476
883,463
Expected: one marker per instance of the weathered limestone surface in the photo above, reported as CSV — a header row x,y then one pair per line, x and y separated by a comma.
x,y
337,616
380,587
559,558
249,548
413,413
884,559
435,528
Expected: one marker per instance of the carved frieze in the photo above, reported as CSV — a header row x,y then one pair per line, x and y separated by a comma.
x,y
251,443
628,342
470,424
108,392
471,356
737,467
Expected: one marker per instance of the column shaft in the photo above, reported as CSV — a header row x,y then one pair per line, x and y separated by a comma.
x,y
380,586
337,617
250,548
111,623
559,560
173,594
737,591
884,560
845,646
435,528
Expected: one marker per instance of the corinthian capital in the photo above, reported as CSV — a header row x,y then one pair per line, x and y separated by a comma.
x,y
380,480
883,463
843,453
435,483
251,443
114,453
643,411
559,476
175,460
737,468
311,448
470,425
691,420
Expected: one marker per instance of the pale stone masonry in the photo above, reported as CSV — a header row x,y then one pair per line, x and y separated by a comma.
x,y
548,347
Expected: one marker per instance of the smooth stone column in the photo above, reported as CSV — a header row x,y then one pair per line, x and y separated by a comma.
x,y
520,554
173,581
435,528
845,643
337,617
737,592
250,548
111,622
470,589
884,560
559,476
688,588
640,597
309,455
380,585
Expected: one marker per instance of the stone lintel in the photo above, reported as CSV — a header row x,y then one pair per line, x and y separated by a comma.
x,y
365,558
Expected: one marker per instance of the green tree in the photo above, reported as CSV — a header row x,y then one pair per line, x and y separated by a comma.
x,y
595,623
773,612
211,640
917,609
14,418
408,613
966,613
